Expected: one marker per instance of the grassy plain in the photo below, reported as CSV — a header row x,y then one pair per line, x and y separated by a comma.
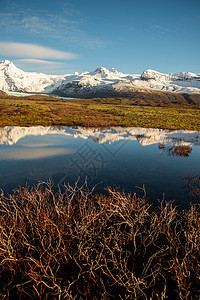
x,y
50,111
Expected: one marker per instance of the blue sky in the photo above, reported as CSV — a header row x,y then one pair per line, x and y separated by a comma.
x,y
58,37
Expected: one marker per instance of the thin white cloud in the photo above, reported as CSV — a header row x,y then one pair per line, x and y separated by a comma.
x,y
65,26
37,61
40,62
59,27
33,51
38,65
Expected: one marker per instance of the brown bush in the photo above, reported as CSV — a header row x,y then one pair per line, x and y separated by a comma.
x,y
181,150
76,245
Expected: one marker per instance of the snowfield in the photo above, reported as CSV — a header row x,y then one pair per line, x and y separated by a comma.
x,y
101,80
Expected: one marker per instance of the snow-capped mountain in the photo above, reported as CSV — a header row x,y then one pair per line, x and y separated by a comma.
x,y
101,82
145,136
14,79
173,82
182,76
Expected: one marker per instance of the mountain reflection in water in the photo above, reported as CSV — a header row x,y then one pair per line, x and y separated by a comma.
x,y
125,157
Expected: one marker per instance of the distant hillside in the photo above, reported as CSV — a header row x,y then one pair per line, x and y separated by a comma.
x,y
2,94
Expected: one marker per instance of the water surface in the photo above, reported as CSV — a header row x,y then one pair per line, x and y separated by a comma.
x,y
127,157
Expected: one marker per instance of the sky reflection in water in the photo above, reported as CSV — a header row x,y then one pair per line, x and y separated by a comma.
x,y
129,158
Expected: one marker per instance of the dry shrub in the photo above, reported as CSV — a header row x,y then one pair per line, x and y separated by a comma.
x,y
161,146
181,150
76,245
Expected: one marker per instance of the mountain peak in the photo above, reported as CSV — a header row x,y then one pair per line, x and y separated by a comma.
x,y
104,72
8,65
151,74
167,77
14,79
6,62
100,70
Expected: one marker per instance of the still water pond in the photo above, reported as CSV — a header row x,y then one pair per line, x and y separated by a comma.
x,y
125,157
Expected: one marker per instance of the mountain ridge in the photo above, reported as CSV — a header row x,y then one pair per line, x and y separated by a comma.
x,y
101,82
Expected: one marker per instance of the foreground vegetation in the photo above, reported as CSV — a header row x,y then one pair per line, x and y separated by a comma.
x,y
49,111
76,245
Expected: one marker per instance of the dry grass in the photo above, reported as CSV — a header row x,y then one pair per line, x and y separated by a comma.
x,y
47,111
76,245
